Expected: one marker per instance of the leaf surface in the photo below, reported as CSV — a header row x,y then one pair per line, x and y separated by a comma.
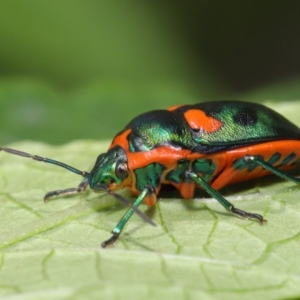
x,y
196,251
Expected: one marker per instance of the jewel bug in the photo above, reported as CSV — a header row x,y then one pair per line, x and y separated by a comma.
x,y
207,145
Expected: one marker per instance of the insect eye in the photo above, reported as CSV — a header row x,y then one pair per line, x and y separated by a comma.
x,y
121,171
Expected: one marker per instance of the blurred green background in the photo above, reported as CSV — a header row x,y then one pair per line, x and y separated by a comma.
x,y
82,69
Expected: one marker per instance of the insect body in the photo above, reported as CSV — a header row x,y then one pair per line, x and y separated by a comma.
x,y
206,145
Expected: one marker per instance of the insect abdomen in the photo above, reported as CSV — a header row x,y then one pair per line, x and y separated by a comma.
x,y
284,155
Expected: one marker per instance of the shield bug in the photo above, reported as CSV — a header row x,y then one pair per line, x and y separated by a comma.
x,y
206,145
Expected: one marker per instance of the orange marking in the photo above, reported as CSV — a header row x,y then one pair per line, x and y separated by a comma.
x,y
121,140
197,119
174,107
150,199
230,176
187,190
164,155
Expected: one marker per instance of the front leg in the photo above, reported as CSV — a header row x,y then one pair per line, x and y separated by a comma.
x,y
148,182
66,192
148,191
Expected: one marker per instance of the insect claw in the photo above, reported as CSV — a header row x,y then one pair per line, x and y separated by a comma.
x,y
263,221
110,241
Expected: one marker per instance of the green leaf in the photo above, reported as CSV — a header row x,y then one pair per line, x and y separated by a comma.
x,y
196,251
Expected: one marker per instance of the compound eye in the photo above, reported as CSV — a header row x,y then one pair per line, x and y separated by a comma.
x,y
121,171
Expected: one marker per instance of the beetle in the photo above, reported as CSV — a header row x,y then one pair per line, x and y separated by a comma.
x,y
207,145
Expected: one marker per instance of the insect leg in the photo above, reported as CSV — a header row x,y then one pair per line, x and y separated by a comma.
x,y
119,227
71,191
226,204
271,168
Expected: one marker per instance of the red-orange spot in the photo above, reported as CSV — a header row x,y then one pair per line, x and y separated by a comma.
x,y
121,140
198,120
164,155
150,199
187,189
174,107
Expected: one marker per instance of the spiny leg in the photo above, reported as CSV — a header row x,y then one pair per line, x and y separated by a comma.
x,y
226,204
119,227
